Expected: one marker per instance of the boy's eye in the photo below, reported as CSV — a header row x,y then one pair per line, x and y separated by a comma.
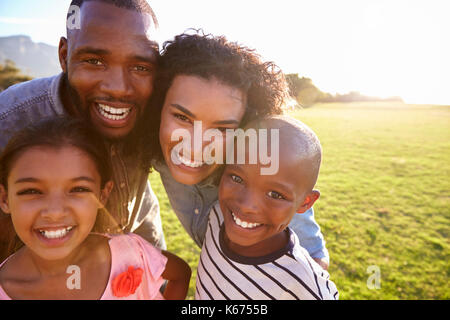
x,y
29,192
236,179
80,189
275,195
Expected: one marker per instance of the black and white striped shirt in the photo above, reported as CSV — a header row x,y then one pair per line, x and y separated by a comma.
x,y
289,274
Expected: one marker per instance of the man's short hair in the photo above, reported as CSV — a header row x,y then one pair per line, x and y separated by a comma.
x,y
140,6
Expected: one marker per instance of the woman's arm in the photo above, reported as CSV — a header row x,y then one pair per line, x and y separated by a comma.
x,y
178,274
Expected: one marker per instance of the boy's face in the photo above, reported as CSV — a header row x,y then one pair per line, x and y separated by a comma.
x,y
257,208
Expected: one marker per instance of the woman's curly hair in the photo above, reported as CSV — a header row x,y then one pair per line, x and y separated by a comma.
x,y
208,56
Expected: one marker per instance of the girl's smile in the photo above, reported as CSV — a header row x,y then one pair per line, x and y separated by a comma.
x,y
53,199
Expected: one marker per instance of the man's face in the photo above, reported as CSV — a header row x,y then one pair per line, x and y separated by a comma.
x,y
110,65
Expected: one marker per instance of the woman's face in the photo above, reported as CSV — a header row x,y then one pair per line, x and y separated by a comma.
x,y
212,105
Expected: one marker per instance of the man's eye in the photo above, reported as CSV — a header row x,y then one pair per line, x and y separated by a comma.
x,y
236,179
80,189
28,192
275,195
141,68
95,62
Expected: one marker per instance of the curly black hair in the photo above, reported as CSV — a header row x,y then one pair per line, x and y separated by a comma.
x,y
208,56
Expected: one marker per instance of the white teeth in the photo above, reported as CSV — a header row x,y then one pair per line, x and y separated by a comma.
x,y
56,233
187,162
245,224
113,113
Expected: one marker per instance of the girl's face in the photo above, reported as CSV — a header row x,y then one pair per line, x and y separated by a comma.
x,y
53,197
189,99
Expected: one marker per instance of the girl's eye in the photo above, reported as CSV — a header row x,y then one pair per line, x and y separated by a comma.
x,y
28,192
80,189
276,195
236,179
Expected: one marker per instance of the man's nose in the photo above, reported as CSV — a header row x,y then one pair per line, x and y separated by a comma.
x,y
116,82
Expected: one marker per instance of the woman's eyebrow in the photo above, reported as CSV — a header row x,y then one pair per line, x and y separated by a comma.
x,y
189,113
184,110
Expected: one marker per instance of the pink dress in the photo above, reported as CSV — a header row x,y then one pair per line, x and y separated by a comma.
x,y
130,250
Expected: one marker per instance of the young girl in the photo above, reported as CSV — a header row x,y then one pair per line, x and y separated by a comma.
x,y
54,178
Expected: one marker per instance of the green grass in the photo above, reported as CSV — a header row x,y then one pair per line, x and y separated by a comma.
x,y
385,199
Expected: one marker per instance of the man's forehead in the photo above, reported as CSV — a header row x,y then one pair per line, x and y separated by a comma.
x,y
98,15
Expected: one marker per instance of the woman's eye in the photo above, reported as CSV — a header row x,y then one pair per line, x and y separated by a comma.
x,y
182,117
236,179
275,195
28,192
80,189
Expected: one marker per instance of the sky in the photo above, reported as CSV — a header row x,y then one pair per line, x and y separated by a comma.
x,y
377,47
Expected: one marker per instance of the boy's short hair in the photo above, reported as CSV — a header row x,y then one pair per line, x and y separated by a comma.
x,y
302,140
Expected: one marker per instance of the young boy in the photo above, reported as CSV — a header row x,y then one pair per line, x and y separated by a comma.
x,y
249,251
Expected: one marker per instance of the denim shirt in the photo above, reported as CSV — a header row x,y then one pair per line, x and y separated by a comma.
x,y
132,203
192,204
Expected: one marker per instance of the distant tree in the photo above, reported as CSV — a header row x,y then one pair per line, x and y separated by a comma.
x,y
304,90
10,75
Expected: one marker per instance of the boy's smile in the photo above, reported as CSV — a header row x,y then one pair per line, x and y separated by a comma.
x,y
257,208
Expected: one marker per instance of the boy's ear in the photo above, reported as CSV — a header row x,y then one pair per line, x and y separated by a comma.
x,y
309,201
4,199
106,191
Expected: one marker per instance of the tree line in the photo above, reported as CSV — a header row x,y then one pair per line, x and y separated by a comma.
x,y
307,94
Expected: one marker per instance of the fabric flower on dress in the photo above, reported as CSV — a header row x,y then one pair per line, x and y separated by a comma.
x,y
127,282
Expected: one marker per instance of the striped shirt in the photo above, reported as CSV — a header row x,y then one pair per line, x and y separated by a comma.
x,y
288,274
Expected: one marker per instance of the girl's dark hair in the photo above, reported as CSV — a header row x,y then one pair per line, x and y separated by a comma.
x,y
209,56
57,133
54,133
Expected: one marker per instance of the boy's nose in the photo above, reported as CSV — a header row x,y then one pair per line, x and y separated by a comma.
x,y
249,202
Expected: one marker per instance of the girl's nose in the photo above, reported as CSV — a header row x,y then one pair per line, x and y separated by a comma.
x,y
55,209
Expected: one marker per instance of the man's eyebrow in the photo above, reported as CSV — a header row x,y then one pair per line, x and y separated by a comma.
x,y
149,59
92,50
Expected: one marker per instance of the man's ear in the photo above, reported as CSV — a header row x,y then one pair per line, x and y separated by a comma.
x,y
309,201
105,192
62,53
4,199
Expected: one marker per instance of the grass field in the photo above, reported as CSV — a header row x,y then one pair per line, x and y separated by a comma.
x,y
385,199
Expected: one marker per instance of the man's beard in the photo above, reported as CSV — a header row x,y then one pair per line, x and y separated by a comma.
x,y
82,111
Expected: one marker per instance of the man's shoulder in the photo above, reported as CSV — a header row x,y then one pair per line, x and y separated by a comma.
x,y
26,103
29,93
